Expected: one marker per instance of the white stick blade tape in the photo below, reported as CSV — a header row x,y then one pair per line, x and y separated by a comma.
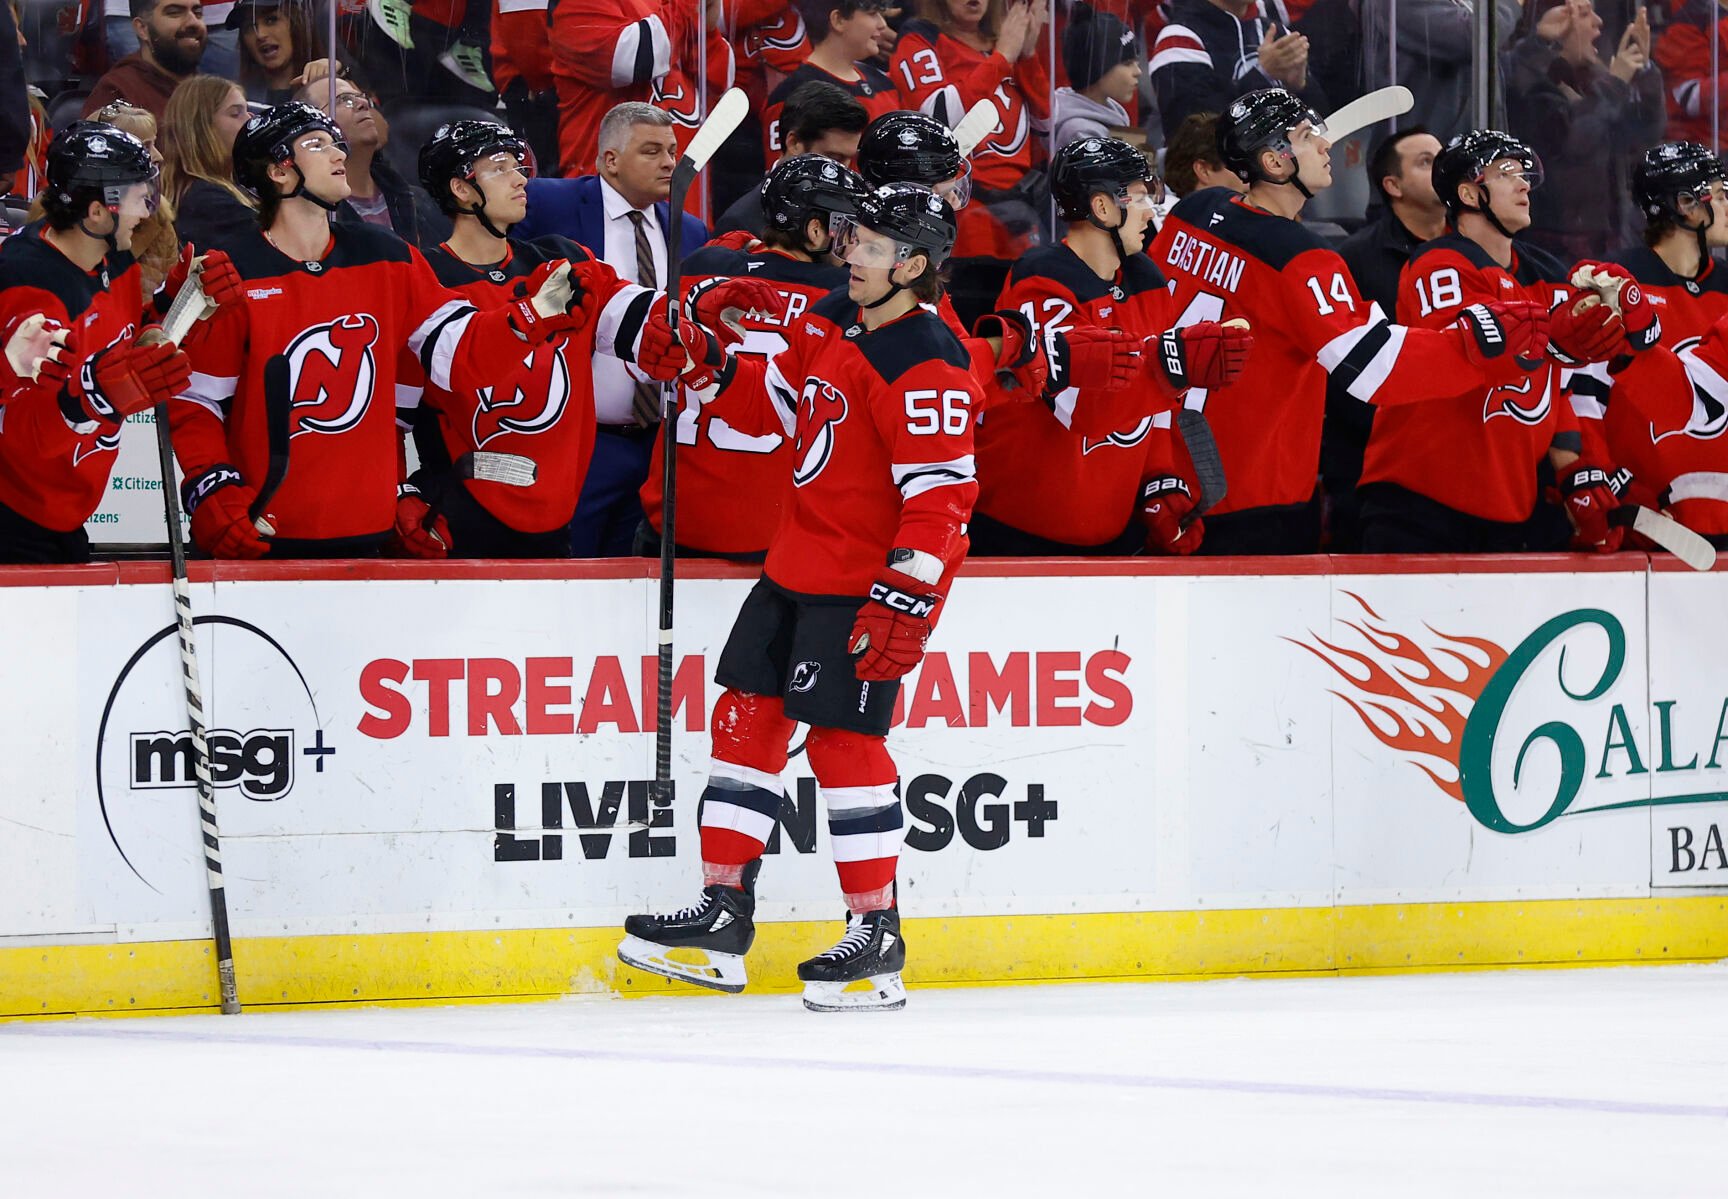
x,y
723,118
1376,106
514,470
187,310
979,123
1676,538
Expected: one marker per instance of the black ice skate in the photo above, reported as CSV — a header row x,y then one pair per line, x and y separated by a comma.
x,y
872,950
703,944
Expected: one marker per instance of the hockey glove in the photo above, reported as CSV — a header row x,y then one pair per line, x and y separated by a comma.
x,y
738,239
721,302
1086,356
1589,493
125,378
1020,368
1585,330
419,534
710,366
218,277
659,353
40,349
1615,287
889,636
1505,339
218,503
551,301
1164,502
1205,354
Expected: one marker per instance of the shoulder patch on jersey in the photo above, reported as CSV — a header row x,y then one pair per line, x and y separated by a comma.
x,y
909,342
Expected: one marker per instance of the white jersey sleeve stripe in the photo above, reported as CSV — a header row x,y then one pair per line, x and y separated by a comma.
x,y
914,479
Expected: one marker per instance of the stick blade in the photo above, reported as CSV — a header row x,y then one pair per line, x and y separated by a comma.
x,y
979,123
726,115
1675,537
1376,106
512,470
1203,453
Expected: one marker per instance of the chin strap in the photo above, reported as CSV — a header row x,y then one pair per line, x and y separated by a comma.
x,y
301,193
894,289
1486,212
478,212
1115,231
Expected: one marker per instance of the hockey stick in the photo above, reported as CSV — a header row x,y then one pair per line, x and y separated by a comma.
x,y
726,115
189,307
278,416
979,123
1666,532
1360,113
1208,466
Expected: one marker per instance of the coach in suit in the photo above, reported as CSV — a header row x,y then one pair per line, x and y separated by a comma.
x,y
619,215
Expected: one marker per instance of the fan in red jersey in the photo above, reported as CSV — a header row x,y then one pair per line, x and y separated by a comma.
x,y
73,281
1248,256
1479,494
877,396
1068,476
341,304
732,484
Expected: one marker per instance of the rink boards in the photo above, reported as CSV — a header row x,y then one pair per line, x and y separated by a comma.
x,y
435,782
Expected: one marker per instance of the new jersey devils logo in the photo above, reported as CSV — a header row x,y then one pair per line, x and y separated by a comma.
x,y
671,95
1709,417
821,409
1125,441
530,401
1511,400
332,373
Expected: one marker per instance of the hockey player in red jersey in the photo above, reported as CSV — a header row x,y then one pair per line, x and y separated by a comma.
x,y
1069,476
1477,494
731,485
339,303
60,430
876,394
1248,256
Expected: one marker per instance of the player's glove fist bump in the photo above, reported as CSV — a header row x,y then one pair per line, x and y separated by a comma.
x,y
1583,330
126,378
1615,287
1505,339
1205,354
721,303
1164,503
219,505
1087,356
1020,364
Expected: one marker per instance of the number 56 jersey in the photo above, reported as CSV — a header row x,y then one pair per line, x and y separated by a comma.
x,y
1227,259
881,428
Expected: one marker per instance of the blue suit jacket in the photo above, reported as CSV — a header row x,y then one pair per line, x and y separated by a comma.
x,y
573,208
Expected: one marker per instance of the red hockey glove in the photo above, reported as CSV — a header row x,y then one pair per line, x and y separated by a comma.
x,y
551,301
720,302
1020,367
1620,291
659,353
738,239
1589,493
893,626
218,503
1164,501
418,534
1086,356
1505,339
126,378
219,278
710,366
1585,330
1204,354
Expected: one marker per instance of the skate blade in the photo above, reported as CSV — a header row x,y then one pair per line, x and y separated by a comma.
x,y
716,971
880,993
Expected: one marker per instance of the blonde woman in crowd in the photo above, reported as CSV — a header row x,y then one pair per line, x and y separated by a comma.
x,y
202,119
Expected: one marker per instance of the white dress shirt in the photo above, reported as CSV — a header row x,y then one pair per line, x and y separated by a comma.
x,y
614,386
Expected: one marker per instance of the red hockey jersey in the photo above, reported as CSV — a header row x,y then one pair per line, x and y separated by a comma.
x,y
1227,259
779,43
539,403
603,53
54,464
1071,470
872,89
1477,450
881,428
732,485
341,321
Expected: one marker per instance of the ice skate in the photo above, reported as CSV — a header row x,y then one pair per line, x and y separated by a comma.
x,y
862,972
702,944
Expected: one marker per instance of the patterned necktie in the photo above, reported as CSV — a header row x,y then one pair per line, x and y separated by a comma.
x,y
646,399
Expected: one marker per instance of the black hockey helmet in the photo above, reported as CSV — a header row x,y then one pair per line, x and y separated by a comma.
x,y
267,140
908,147
806,186
453,151
1672,170
919,221
1090,165
88,161
1466,160
1259,121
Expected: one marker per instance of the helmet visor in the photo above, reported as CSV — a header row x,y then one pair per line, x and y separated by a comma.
x,y
135,199
1528,168
958,190
502,165
856,245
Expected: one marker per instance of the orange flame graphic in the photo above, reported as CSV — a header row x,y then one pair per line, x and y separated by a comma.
x,y
1407,688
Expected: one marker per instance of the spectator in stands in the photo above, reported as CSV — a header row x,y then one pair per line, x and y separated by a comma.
x,y
1434,55
1589,120
1102,58
198,131
1191,159
155,243
31,153
620,216
818,118
1215,50
277,41
843,36
1695,95
378,194
604,52
171,37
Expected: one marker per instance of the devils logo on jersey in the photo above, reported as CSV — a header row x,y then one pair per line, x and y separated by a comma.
x,y
530,401
331,373
1128,440
821,408
1709,397
1512,400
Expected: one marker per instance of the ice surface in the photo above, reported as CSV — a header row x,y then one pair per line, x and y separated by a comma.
x,y
1540,1083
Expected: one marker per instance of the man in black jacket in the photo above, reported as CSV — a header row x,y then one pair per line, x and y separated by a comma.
x,y
381,196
